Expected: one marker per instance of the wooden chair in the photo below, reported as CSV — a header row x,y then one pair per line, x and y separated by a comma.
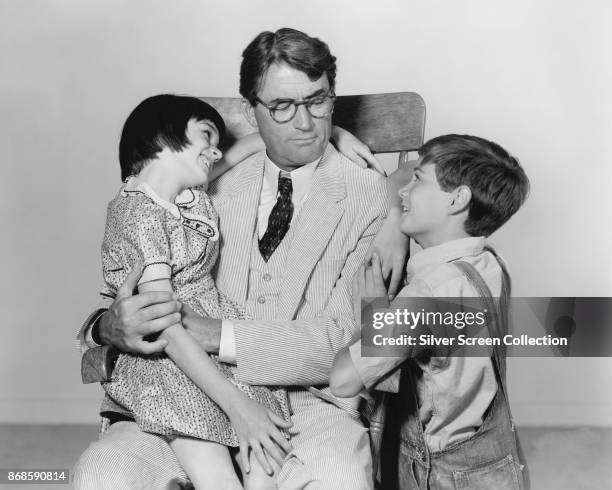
x,y
387,123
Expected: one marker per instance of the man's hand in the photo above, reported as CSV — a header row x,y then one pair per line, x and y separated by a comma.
x,y
207,331
131,318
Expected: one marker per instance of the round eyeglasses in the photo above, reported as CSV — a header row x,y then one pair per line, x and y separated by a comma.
x,y
283,111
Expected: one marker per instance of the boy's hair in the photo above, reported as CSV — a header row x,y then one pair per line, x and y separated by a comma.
x,y
157,122
498,183
297,49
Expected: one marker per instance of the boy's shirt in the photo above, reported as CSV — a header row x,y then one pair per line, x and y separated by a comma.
x,y
455,392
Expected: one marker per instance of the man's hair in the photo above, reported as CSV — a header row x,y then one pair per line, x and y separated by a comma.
x,y
157,122
297,49
498,183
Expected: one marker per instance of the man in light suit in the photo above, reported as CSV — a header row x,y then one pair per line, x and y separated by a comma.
x,y
296,222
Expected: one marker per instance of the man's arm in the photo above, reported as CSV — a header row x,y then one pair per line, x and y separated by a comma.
x,y
301,352
130,318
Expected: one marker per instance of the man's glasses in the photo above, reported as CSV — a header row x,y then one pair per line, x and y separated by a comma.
x,y
283,111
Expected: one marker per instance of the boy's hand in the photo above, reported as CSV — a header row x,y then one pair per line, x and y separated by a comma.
x,y
370,280
393,248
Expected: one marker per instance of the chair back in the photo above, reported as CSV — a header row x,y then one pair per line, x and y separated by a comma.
x,y
387,123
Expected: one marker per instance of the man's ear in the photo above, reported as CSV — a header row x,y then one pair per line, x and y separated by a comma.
x,y
462,196
249,113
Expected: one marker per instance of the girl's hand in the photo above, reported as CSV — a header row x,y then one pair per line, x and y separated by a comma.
x,y
355,150
258,427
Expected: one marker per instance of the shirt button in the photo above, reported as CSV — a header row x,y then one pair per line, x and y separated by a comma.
x,y
267,277
261,300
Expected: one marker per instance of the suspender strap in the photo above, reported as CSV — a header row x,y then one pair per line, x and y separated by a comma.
x,y
498,325
497,313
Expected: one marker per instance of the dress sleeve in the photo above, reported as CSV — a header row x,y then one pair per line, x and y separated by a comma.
x,y
135,233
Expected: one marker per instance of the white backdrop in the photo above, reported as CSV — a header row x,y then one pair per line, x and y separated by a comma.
x,y
534,76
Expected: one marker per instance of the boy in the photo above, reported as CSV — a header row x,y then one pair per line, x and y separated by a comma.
x,y
461,434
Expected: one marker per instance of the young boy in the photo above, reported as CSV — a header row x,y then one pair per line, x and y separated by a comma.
x,y
460,433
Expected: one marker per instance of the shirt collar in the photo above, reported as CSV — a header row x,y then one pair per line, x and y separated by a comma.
x,y
300,177
445,252
186,199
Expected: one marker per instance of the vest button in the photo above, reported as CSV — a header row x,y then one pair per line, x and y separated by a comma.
x,y
261,300
267,277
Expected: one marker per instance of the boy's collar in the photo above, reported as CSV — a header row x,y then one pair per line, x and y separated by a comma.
x,y
445,252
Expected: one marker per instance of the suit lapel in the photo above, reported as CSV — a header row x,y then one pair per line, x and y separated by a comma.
x,y
314,227
238,212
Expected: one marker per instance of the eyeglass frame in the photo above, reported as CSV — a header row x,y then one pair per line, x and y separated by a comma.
x,y
296,104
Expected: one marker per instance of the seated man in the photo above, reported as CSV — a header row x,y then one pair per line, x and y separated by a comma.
x,y
291,266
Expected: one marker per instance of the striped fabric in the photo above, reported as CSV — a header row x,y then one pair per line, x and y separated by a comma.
x,y
303,308
292,344
125,458
343,212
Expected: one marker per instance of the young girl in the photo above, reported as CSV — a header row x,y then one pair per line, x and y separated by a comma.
x,y
159,219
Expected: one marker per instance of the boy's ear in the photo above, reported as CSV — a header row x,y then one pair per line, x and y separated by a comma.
x,y
462,196
249,113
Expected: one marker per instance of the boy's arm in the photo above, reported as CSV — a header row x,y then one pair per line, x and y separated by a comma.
x,y
391,245
352,373
344,379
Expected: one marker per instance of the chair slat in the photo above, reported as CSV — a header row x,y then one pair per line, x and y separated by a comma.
x,y
392,122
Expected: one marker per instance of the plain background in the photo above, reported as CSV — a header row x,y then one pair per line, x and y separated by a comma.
x,y
534,76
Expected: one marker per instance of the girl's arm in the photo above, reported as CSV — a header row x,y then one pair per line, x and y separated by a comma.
x,y
239,151
355,150
255,425
345,142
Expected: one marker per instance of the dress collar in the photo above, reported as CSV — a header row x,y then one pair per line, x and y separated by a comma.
x,y
445,252
186,199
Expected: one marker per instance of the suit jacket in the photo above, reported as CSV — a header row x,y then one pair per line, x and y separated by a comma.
x,y
344,209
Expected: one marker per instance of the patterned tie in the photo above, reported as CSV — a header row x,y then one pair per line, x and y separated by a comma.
x,y
280,217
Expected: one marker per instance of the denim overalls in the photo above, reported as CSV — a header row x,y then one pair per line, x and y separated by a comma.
x,y
491,459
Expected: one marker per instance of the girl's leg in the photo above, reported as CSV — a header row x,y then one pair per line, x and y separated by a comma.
x,y
207,464
257,478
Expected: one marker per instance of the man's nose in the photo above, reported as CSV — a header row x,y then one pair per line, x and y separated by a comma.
x,y
302,119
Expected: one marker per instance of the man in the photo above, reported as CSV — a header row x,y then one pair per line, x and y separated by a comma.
x,y
296,222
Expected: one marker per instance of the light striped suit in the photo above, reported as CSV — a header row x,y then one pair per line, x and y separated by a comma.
x,y
313,318
344,209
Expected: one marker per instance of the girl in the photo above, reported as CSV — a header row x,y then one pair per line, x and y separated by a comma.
x,y
159,219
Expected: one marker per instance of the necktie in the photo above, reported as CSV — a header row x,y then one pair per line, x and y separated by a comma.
x,y
280,217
